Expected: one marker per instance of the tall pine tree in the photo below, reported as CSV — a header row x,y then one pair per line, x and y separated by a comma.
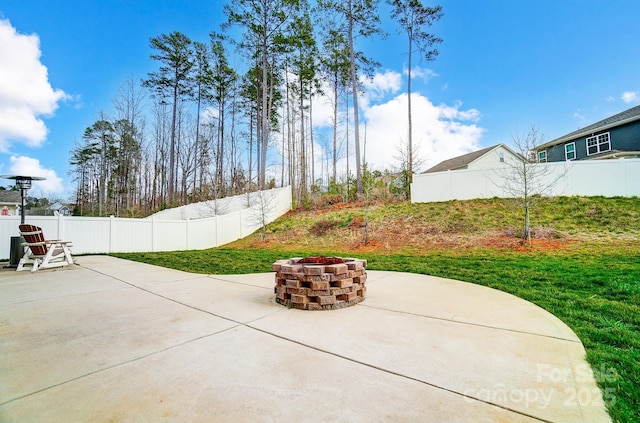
x,y
172,82
414,18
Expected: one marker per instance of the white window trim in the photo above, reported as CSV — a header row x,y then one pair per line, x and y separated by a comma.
x,y
598,143
566,152
540,160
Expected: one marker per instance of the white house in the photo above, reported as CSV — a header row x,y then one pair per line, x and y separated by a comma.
x,y
487,158
58,208
10,201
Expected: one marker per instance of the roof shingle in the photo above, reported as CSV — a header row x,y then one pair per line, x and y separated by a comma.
x,y
459,162
10,196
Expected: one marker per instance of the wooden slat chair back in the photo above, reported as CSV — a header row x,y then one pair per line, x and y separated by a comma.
x,y
33,235
41,253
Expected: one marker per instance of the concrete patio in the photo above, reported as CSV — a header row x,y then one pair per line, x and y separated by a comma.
x,y
109,340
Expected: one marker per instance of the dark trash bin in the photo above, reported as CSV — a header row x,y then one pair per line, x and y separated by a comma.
x,y
16,252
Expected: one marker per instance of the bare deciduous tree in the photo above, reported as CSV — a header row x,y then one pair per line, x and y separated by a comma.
x,y
409,158
524,179
262,206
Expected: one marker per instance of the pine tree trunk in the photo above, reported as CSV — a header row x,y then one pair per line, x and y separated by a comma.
x,y
354,90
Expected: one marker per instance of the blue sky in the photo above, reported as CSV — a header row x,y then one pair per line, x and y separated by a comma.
x,y
504,65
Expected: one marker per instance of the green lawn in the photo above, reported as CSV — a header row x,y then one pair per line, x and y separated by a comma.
x,y
593,288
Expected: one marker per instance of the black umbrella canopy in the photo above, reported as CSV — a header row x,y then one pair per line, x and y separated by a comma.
x,y
23,182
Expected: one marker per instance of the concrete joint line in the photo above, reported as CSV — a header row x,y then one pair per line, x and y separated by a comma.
x,y
394,373
166,298
133,360
216,277
471,324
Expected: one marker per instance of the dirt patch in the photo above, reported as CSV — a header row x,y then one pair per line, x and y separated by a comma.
x,y
356,222
343,206
371,245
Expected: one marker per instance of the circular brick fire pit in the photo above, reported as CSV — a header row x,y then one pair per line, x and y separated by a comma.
x,y
320,283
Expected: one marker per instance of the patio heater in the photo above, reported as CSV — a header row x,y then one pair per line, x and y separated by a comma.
x,y
23,183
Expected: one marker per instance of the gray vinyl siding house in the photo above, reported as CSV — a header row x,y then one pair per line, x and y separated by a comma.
x,y
614,137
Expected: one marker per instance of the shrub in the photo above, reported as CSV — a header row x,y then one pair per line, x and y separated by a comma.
x,y
322,226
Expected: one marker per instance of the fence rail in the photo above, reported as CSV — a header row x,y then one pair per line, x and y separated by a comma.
x,y
97,235
608,178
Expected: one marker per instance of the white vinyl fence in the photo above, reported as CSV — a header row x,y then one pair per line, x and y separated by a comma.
x,y
608,178
113,234
209,208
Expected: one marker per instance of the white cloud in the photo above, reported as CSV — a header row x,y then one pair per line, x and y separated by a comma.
x,y
629,96
323,107
423,73
454,112
578,115
323,112
27,166
440,132
382,84
209,115
25,92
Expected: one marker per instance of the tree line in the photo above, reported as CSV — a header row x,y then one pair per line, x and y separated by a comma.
x,y
201,127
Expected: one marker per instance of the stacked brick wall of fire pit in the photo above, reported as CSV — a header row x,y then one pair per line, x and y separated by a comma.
x,y
310,286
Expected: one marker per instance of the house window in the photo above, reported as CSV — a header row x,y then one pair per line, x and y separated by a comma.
x,y
598,144
501,156
570,151
542,156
